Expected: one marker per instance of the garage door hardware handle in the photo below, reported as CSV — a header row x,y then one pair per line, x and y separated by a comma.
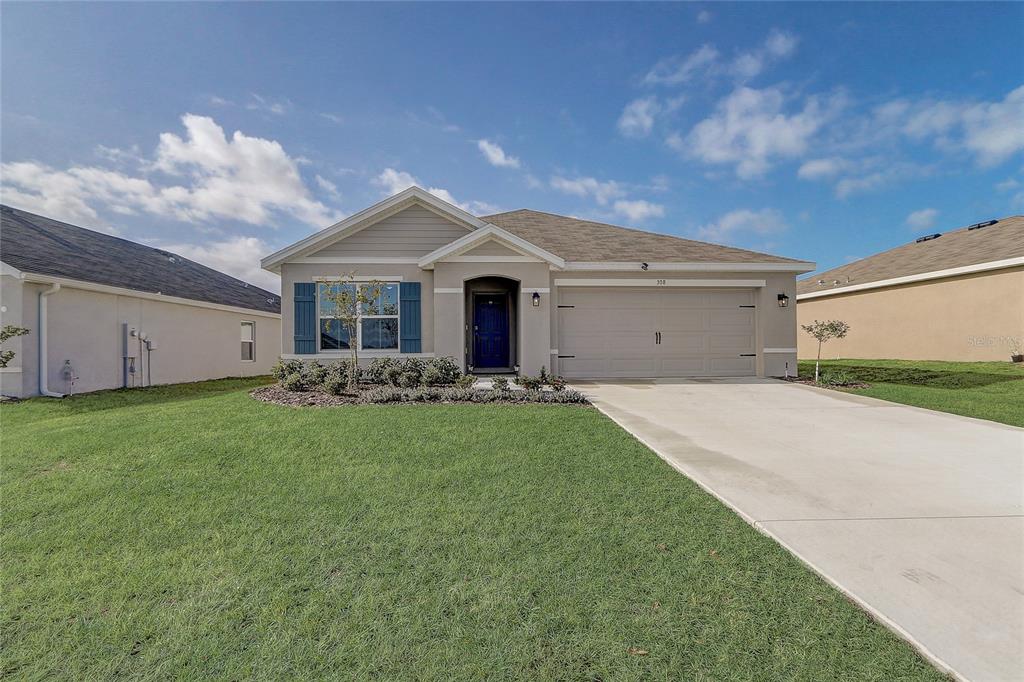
x,y
566,356
748,355
748,306
566,306
657,338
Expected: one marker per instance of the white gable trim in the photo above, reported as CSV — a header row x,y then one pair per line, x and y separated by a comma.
x,y
485,234
369,216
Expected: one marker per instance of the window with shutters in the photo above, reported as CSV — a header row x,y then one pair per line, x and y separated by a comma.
x,y
377,328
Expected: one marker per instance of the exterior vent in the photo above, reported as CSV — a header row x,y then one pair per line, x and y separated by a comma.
x,y
927,237
978,226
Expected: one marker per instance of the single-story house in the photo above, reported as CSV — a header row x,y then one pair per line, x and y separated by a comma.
x,y
957,295
104,312
525,289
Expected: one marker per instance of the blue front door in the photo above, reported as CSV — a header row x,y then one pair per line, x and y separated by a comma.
x,y
490,331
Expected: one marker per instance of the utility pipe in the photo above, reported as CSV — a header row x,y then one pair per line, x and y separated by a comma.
x,y
54,288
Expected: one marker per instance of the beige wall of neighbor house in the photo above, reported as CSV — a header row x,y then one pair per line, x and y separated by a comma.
x,y
966,318
193,342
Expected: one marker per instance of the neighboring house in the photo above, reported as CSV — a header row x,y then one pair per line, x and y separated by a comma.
x,y
952,296
525,290
105,312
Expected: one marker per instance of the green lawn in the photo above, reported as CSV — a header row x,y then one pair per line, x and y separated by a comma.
x,y
192,531
986,390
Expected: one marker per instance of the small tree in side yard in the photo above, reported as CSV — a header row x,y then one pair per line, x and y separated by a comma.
x,y
824,332
9,331
347,298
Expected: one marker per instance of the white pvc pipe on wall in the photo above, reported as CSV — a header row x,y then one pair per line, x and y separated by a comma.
x,y
43,355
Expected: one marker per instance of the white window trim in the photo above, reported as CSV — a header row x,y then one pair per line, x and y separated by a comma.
x,y
253,342
359,320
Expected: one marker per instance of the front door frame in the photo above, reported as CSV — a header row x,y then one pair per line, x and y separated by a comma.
x,y
510,331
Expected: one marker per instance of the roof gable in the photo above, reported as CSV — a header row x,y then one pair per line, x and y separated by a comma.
x,y
38,245
487,234
413,196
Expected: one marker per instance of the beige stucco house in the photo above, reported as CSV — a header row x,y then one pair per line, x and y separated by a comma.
x,y
525,289
104,312
952,296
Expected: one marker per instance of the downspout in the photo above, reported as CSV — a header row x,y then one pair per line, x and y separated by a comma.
x,y
43,390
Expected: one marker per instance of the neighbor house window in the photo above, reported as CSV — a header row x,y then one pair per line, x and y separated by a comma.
x,y
377,327
248,341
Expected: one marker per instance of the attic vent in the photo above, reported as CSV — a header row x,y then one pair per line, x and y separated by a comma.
x,y
978,226
172,259
927,237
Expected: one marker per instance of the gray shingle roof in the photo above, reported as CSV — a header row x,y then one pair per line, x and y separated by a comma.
x,y
954,249
36,244
584,240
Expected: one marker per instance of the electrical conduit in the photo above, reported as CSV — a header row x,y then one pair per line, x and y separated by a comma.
x,y
43,390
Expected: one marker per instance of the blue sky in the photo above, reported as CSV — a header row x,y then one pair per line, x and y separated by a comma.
x,y
225,131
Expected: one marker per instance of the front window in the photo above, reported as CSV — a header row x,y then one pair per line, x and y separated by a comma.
x,y
248,341
377,326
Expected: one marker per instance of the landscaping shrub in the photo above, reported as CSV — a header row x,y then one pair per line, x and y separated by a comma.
x,y
335,383
557,383
465,381
313,373
294,382
383,394
447,371
409,379
528,382
285,368
835,377
379,371
499,383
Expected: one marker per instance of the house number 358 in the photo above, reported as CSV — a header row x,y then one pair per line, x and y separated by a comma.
x,y
660,282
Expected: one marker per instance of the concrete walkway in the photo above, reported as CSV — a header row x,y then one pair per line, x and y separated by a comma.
x,y
917,515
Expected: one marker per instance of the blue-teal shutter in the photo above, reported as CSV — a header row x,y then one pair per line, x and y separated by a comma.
x,y
305,318
409,317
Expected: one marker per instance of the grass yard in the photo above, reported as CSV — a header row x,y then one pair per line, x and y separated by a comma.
x,y
986,390
192,531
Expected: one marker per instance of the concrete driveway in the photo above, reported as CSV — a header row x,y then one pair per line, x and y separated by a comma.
x,y
917,515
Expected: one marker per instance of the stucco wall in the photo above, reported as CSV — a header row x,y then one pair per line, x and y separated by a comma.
x,y
193,343
969,318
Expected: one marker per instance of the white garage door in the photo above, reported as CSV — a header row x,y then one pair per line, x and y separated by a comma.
x,y
636,333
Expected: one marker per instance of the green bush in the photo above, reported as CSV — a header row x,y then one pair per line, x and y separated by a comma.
x,y
313,374
409,379
294,382
529,383
465,381
557,383
285,368
499,383
335,383
836,377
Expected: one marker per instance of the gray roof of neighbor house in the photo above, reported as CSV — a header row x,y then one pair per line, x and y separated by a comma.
x,y
584,240
971,245
38,245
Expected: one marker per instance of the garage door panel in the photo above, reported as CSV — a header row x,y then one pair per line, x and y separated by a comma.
x,y
611,332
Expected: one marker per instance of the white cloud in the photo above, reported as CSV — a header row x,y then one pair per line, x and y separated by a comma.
x,y
637,118
333,118
394,181
276,107
495,155
676,70
923,219
750,129
327,186
219,101
238,257
243,178
705,61
704,17
734,224
822,169
602,192
639,210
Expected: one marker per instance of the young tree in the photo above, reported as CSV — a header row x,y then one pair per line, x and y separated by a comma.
x,y
9,331
824,332
346,299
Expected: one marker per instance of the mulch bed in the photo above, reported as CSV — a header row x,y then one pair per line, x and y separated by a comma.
x,y
278,395
807,381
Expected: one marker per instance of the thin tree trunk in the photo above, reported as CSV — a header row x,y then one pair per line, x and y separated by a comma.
x,y
817,362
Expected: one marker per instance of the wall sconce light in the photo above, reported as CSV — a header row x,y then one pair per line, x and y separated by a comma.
x,y
644,266
783,300
536,300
